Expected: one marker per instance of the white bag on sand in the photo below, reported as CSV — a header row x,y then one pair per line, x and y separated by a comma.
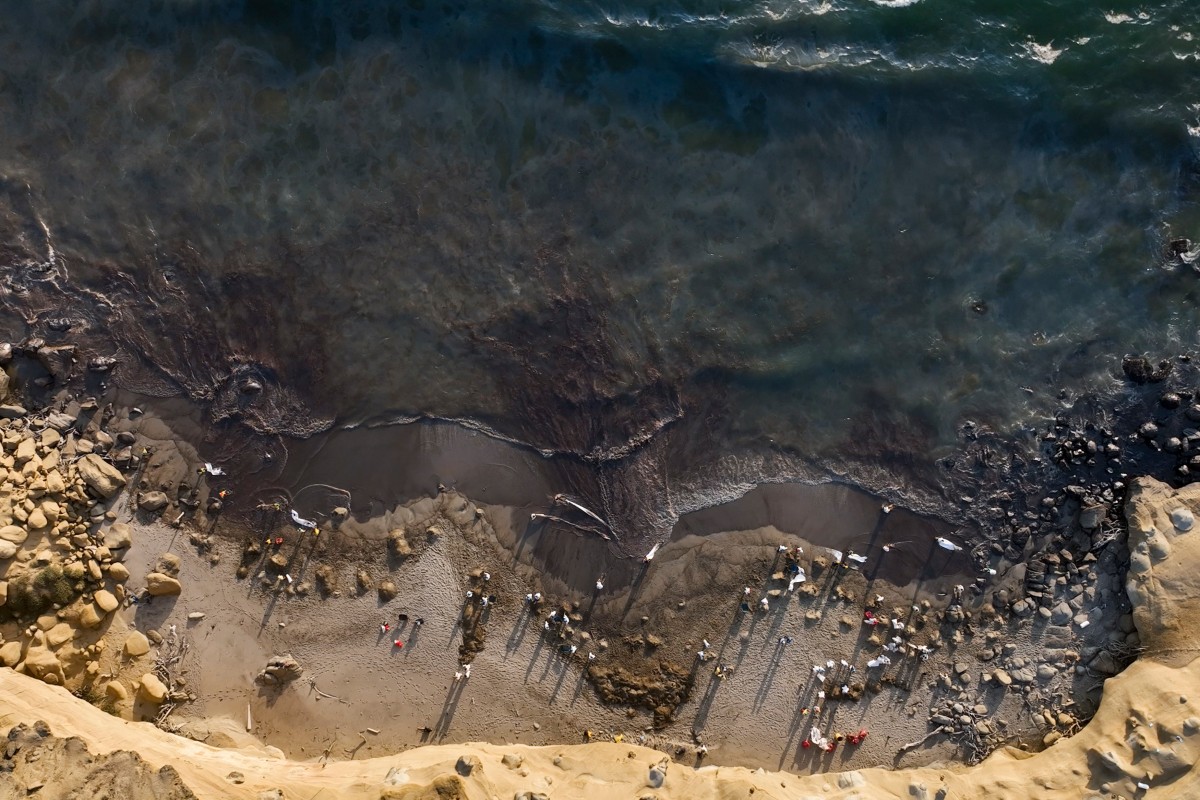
x,y
303,523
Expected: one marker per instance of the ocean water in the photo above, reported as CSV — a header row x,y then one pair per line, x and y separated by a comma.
x,y
720,238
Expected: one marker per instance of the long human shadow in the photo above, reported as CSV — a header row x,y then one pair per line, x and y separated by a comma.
x,y
635,587
562,676
519,631
533,658
449,707
764,686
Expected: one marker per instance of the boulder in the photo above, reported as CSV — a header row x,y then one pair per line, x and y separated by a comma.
x,y
106,601
151,689
7,549
3,592
118,536
14,533
280,669
136,644
26,449
41,663
153,501
101,477
512,760
387,590
90,617
116,690
10,654
59,635
118,572
158,584
60,422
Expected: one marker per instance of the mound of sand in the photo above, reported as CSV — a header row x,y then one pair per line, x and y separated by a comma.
x,y
1143,742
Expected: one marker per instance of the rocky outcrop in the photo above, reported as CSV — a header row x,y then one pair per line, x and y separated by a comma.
x,y
38,764
1163,583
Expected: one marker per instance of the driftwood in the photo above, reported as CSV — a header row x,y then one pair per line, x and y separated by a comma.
x,y
911,745
607,537
562,499
172,651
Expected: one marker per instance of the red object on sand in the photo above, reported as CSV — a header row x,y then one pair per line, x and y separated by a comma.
x,y
806,744
398,643
829,748
278,540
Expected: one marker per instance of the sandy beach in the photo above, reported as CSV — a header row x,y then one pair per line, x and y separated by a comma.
x,y
811,629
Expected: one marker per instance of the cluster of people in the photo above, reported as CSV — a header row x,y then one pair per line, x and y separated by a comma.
x,y
829,743
385,628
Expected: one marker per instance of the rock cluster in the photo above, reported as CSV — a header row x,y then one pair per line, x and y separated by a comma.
x,y
64,568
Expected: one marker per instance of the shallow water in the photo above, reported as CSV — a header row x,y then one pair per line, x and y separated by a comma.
x,y
810,226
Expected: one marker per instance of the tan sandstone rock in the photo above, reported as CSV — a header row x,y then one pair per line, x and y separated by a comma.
x,y
158,584
151,689
136,644
101,477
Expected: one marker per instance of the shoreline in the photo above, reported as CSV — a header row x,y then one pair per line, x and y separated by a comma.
x,y
644,627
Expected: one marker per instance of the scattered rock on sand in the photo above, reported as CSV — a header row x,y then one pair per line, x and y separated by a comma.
x,y
14,533
90,617
512,760
158,584
326,580
10,654
116,690
387,590
41,663
363,580
7,549
151,689
118,537
398,544
136,644
153,501
106,601
101,477
280,669
467,764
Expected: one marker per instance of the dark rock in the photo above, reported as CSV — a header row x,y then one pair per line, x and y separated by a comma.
x,y
1140,370
1148,430
153,501
102,364
251,387
1169,400
1104,664
467,764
